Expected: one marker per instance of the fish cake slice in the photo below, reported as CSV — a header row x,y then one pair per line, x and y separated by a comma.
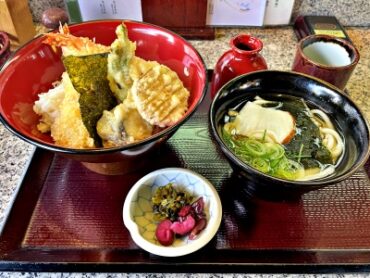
x,y
160,96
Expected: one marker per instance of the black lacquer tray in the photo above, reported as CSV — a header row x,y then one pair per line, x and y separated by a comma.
x,y
66,218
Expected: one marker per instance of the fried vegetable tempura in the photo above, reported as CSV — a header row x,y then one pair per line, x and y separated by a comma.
x,y
158,92
123,125
66,125
123,50
160,96
48,107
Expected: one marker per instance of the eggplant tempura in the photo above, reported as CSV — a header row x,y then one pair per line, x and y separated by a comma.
x,y
108,96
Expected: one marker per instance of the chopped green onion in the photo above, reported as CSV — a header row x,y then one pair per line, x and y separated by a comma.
x,y
275,151
254,147
290,169
300,153
260,164
267,157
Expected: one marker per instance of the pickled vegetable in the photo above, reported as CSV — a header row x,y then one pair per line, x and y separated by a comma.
x,y
177,214
167,202
164,233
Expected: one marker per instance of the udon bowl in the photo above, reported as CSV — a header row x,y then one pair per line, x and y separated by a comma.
x,y
33,68
345,115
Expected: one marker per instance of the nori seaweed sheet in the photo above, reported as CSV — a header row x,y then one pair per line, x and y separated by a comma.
x,y
89,77
313,149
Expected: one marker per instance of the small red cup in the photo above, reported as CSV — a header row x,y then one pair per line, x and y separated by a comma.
x,y
4,48
326,57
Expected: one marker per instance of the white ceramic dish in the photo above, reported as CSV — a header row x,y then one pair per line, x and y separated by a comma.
x,y
137,211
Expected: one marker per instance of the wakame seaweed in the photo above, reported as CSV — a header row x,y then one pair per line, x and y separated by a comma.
x,y
306,146
89,77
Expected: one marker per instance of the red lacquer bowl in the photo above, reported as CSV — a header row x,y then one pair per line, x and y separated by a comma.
x,y
34,67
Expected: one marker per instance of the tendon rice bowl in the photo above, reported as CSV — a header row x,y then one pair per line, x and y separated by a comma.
x,y
39,67
108,97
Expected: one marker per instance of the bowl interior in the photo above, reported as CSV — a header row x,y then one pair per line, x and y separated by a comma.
x,y
34,68
138,213
345,115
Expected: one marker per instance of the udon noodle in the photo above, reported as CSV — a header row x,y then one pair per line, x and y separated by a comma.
x,y
284,138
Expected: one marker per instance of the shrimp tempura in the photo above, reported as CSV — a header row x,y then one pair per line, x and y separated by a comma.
x,y
72,45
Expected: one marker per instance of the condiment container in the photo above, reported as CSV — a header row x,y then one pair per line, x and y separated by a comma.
x,y
243,57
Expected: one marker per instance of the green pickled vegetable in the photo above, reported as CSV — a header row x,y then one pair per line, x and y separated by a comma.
x,y
167,201
89,77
